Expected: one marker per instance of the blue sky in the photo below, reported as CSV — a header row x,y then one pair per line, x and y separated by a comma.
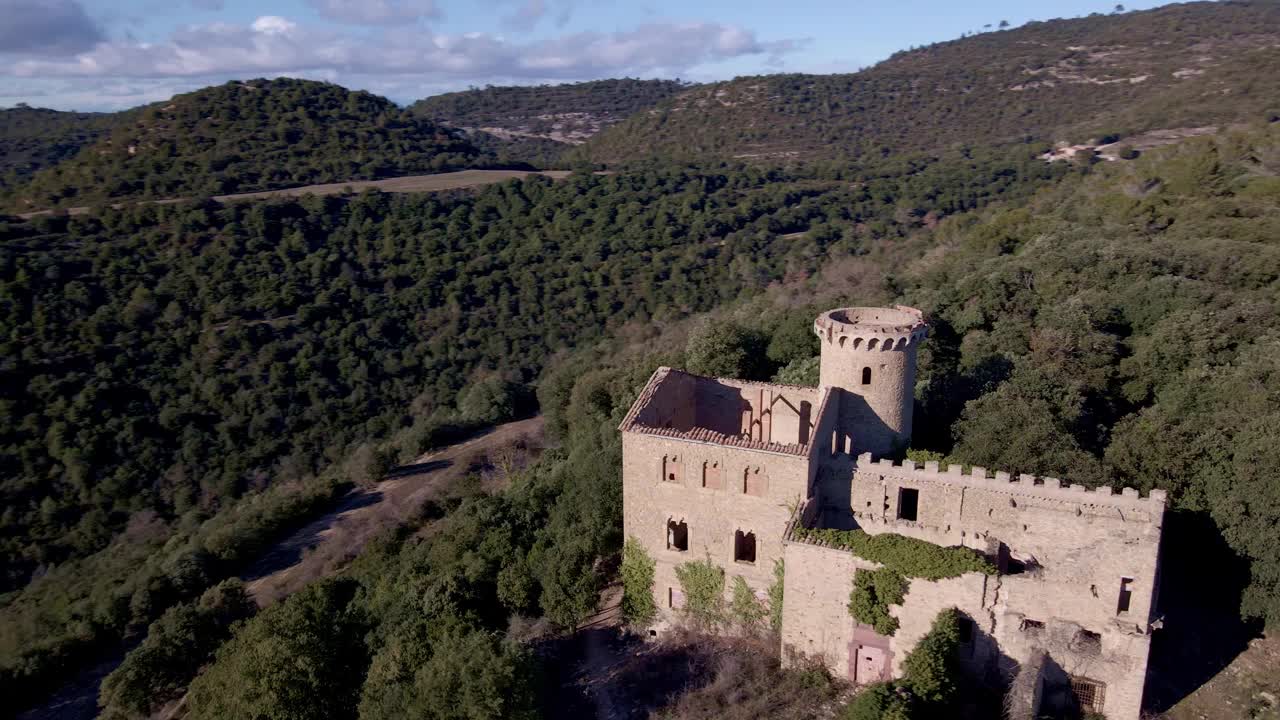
x,y
109,54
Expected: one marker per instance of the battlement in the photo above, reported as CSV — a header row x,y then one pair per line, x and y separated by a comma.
x,y
872,328
1028,485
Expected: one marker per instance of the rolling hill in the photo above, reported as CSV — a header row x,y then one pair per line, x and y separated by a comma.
x,y
35,138
570,113
1057,80
536,125
248,136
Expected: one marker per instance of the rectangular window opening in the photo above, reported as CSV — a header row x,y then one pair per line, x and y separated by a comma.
x,y
908,503
1087,643
744,547
1126,595
677,535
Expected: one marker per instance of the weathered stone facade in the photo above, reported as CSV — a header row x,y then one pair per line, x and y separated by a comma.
x,y
726,469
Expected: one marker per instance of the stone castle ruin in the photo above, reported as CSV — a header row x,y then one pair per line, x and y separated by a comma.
x,y
745,474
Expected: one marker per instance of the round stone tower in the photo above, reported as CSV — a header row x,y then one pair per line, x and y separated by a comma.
x,y
869,354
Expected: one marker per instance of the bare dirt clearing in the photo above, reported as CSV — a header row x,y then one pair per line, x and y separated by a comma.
x,y
1249,687
437,182
325,545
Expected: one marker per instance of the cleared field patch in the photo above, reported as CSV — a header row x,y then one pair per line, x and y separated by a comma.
x,y
437,182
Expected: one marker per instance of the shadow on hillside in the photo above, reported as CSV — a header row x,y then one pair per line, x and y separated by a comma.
x,y
418,468
1201,584
602,673
288,552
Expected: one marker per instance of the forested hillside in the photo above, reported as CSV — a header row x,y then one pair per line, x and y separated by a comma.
x,y
568,113
1122,323
164,361
35,138
537,124
182,384
1127,327
1182,65
246,136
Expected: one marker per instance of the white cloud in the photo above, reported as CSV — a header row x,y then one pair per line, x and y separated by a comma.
x,y
273,44
406,61
273,25
375,12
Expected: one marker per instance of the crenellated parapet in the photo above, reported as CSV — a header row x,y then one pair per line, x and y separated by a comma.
x,y
872,328
1151,505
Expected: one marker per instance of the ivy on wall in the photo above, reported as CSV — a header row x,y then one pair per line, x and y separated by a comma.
x,y
928,688
911,557
745,607
873,592
637,583
901,558
703,584
775,595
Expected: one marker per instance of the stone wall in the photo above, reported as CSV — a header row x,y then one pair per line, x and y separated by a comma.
x,y
1078,568
1076,547
815,614
1065,555
870,355
711,514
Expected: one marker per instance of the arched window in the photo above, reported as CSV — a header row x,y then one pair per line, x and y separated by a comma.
x,y
871,344
866,376
744,547
754,482
671,469
711,478
677,535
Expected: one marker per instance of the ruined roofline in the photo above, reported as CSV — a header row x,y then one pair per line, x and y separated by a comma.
x,y
1046,487
630,423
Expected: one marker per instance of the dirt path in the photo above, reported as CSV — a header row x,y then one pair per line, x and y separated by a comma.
x,y
413,183
319,548
330,541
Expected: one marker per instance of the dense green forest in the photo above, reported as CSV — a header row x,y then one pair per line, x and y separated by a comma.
x,y
1061,80
182,384
1127,326
34,138
1122,321
163,361
247,136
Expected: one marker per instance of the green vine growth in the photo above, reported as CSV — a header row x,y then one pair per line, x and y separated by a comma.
x,y
775,595
873,592
637,583
901,558
929,685
703,584
746,608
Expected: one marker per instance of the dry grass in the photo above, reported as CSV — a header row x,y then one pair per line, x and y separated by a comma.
x,y
745,681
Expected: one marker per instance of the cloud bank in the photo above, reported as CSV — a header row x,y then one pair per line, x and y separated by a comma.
x,y
382,45
46,27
